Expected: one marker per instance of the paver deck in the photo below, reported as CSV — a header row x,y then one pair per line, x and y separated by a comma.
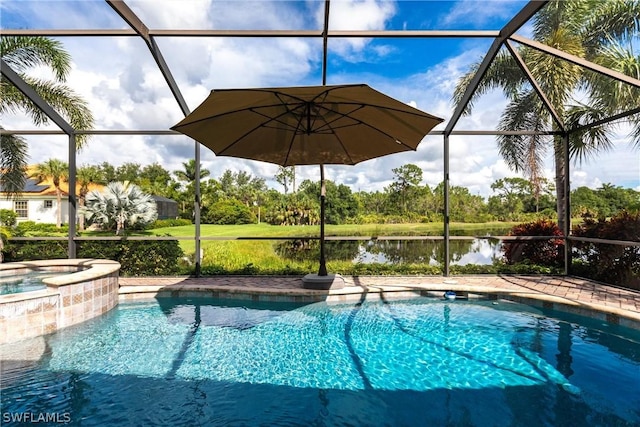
x,y
565,293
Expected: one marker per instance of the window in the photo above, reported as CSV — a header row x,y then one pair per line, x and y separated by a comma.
x,y
48,204
21,207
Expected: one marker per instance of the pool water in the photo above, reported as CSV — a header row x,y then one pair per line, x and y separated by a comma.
x,y
31,281
391,363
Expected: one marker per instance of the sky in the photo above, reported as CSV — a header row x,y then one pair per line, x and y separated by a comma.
x,y
119,79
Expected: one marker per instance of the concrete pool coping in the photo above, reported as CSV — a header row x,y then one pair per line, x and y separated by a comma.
x,y
563,293
81,269
78,290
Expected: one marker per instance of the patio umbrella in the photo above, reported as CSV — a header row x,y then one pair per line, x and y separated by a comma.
x,y
307,125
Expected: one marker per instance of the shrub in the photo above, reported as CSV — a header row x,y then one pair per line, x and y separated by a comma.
x,y
30,250
162,223
32,228
477,217
150,258
228,211
371,218
8,218
100,249
615,264
542,252
118,206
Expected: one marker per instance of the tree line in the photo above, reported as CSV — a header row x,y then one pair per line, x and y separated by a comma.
x,y
237,197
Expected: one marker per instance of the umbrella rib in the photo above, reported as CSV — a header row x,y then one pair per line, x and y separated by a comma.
x,y
346,152
293,136
263,124
360,122
270,119
286,157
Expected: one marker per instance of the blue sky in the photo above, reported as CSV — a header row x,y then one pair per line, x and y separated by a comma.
x,y
124,89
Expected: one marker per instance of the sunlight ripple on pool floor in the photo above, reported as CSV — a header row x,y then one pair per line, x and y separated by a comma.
x,y
402,362
382,346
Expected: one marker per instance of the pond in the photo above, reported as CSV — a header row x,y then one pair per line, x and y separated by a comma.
x,y
479,251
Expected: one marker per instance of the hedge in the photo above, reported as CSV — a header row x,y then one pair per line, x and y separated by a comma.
x,y
136,257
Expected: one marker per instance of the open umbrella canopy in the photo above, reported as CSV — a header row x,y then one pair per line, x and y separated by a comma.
x,y
306,125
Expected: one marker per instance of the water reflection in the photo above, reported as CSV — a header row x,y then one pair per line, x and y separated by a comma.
x,y
461,252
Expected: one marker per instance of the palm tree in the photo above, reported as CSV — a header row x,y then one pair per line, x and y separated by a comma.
x,y
120,204
590,29
86,176
188,175
56,170
23,54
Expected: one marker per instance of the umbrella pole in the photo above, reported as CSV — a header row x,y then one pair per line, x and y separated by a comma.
x,y
322,271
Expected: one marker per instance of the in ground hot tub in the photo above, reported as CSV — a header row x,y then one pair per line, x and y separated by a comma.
x,y
33,280
85,288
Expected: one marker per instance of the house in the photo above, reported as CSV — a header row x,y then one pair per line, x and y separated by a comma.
x,y
38,202
167,208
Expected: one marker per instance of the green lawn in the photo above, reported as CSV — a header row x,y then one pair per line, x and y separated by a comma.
x,y
266,230
251,250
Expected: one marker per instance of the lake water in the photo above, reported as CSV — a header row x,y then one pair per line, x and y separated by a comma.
x,y
461,252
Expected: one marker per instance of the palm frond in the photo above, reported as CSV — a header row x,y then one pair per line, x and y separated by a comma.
x,y
586,143
55,169
635,133
13,163
67,103
611,20
613,95
503,73
556,77
23,53
568,14
121,204
524,153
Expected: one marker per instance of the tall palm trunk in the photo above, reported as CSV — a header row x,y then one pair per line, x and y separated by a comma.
x,y
294,179
58,207
560,165
81,204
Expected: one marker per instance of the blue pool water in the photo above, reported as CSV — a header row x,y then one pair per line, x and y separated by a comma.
x,y
419,362
27,282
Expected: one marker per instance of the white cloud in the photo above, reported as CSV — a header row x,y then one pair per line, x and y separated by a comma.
x,y
120,80
477,14
357,15
173,14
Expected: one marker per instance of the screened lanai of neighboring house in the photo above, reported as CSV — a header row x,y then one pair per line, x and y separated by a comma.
x,y
145,65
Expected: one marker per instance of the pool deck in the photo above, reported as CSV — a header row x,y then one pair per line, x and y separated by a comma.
x,y
564,293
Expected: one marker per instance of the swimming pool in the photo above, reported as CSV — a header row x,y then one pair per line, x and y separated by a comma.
x,y
398,362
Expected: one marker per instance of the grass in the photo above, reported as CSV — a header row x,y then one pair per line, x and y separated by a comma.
x,y
266,230
251,256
